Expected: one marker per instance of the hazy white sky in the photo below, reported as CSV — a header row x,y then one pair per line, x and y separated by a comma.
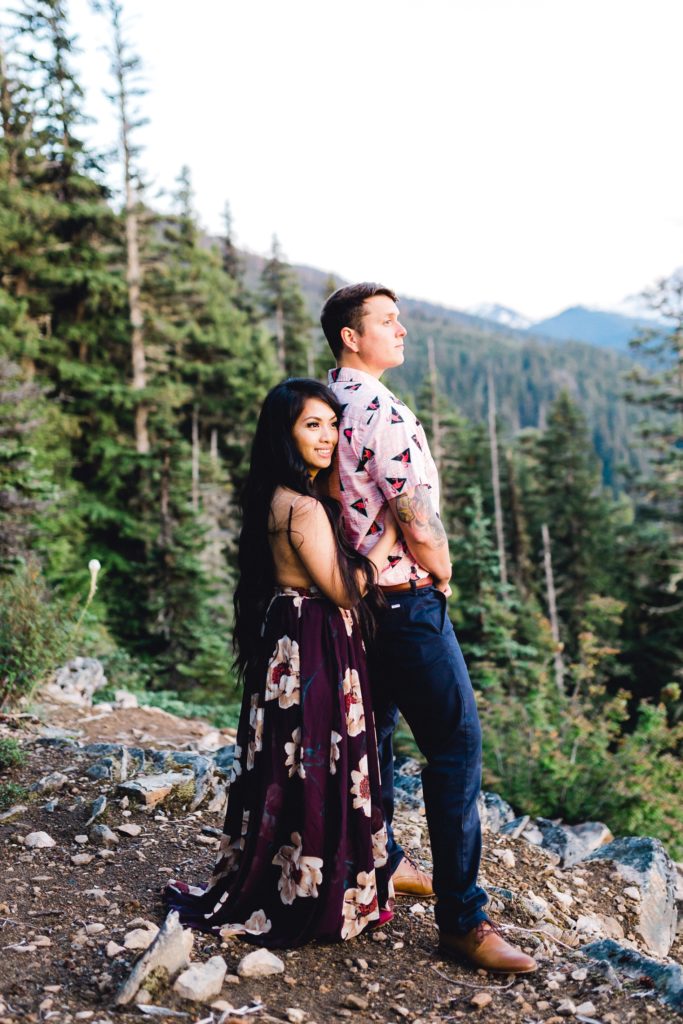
x,y
526,152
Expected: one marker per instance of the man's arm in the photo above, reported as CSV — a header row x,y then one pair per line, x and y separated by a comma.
x,y
424,533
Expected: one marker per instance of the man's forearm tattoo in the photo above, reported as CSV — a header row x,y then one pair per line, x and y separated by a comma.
x,y
415,510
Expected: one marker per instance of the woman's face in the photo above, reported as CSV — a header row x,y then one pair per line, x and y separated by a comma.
x,y
315,435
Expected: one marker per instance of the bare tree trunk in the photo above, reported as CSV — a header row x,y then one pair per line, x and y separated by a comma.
x,y
121,65
495,480
520,538
310,357
213,445
195,459
437,434
552,608
164,498
6,120
280,338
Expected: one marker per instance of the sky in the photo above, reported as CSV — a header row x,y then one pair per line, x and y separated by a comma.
x,y
524,152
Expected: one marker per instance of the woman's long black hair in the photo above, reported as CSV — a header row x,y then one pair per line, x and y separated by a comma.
x,y
276,462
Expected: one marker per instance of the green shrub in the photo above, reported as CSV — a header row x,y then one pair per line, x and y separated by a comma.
x,y
33,633
578,755
11,754
11,793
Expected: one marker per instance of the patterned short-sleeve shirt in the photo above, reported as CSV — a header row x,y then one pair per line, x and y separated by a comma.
x,y
382,452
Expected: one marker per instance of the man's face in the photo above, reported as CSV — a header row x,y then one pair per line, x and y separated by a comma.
x,y
380,346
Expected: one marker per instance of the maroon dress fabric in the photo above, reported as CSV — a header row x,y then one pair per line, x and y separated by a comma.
x,y
303,855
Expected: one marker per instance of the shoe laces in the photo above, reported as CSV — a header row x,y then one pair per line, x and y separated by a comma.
x,y
485,927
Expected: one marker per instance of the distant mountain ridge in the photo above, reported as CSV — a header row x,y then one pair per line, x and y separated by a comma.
x,y
530,369
602,328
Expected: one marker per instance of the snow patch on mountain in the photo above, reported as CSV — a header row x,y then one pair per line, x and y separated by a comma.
x,y
502,315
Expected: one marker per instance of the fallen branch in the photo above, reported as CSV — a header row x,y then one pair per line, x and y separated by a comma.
x,y
468,984
539,931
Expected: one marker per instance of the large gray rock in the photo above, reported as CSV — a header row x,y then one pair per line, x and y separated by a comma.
x,y
644,862
666,978
223,758
170,950
151,790
39,841
572,843
51,783
494,812
260,964
201,982
76,682
102,835
408,782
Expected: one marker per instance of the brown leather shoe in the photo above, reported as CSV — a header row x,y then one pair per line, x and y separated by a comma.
x,y
410,881
484,946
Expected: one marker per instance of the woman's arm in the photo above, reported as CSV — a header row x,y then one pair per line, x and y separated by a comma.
x,y
312,538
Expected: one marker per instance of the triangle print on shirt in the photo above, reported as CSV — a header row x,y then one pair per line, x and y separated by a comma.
x,y
365,457
397,483
402,457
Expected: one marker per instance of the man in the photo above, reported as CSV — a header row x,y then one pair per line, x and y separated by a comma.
x,y
415,662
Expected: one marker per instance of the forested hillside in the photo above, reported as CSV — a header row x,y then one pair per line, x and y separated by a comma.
x,y
528,373
134,358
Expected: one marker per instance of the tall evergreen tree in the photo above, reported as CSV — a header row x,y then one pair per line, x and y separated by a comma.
x,y
287,314
561,481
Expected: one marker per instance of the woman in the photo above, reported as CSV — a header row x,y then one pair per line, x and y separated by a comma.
x,y
303,853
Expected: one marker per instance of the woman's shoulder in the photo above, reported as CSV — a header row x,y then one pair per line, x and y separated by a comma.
x,y
288,504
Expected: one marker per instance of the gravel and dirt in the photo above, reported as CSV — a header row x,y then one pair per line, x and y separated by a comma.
x,y
58,917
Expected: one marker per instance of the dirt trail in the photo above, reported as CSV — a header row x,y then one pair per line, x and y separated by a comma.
x,y
54,966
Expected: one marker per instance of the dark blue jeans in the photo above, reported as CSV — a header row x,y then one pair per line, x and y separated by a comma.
x,y
416,665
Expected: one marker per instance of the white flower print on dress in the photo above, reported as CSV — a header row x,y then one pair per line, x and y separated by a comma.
x,y
257,924
379,847
360,905
256,724
347,616
295,755
361,787
334,752
353,703
229,853
236,767
300,875
283,678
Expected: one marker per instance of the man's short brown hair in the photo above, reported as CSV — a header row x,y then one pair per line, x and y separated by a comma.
x,y
344,308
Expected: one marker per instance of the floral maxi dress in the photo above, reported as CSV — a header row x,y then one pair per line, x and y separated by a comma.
x,y
303,854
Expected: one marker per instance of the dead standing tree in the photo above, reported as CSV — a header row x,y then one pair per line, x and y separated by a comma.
x,y
552,608
495,479
125,68
437,439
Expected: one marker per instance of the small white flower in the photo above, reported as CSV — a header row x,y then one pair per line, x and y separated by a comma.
x,y
300,874
360,905
379,847
256,724
282,680
353,702
94,566
295,754
361,787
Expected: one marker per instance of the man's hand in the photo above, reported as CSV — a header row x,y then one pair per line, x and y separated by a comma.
x,y
444,586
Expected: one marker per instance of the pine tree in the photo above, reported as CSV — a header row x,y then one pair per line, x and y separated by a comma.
x,y
561,481
285,308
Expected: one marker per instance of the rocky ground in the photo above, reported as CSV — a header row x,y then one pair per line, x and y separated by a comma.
x,y
74,916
